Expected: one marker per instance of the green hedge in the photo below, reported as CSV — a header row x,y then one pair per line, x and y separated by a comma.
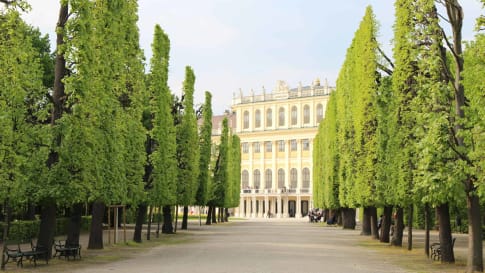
x,y
25,230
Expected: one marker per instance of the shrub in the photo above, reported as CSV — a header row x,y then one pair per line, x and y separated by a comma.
x,y
26,230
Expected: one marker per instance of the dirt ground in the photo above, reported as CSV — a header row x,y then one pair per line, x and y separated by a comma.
x,y
274,245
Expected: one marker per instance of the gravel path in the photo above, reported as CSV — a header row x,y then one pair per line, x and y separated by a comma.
x,y
257,246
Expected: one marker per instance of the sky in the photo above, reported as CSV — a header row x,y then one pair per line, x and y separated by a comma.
x,y
246,45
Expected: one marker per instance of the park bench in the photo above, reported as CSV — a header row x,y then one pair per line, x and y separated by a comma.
x,y
436,250
13,253
16,254
67,250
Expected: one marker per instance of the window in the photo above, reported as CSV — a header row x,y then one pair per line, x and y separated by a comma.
x,y
257,179
293,178
269,118
294,115
246,120
306,178
257,119
245,147
319,112
245,179
293,145
256,147
306,114
268,146
268,179
281,146
281,178
281,116
305,143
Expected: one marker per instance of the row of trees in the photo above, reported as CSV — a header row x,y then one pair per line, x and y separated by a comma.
x,y
407,132
87,125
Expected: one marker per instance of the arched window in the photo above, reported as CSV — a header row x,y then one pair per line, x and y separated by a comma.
x,y
305,178
281,178
257,119
268,179
245,179
294,115
281,116
319,112
306,114
257,179
246,120
293,178
269,117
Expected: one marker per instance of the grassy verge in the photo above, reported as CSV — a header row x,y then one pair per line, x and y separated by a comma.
x,y
414,260
112,253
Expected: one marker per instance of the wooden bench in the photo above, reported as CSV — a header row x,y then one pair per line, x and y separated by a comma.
x,y
436,250
16,254
67,250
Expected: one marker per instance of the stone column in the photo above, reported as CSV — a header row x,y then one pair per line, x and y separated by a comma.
x,y
298,206
273,207
248,207
266,206
285,206
280,214
253,202
239,210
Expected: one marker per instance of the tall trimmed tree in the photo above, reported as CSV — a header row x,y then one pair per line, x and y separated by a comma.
x,y
163,159
219,182
23,107
233,188
205,145
187,148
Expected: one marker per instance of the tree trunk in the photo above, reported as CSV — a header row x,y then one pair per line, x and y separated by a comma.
x,y
338,217
427,227
141,212
149,223
208,220
410,227
348,218
226,214
366,222
58,94
159,219
6,228
185,218
475,252
386,224
96,234
167,226
200,215
214,216
373,223
398,227
475,244
447,255
48,213
176,219
333,218
74,225
47,226
30,213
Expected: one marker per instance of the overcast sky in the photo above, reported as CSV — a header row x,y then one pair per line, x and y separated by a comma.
x,y
248,44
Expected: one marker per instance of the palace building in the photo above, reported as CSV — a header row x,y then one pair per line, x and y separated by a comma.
x,y
277,131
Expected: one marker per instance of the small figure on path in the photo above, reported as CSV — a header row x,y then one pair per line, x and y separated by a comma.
x,y
379,224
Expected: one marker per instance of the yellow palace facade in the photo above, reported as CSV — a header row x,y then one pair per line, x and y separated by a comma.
x,y
277,131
